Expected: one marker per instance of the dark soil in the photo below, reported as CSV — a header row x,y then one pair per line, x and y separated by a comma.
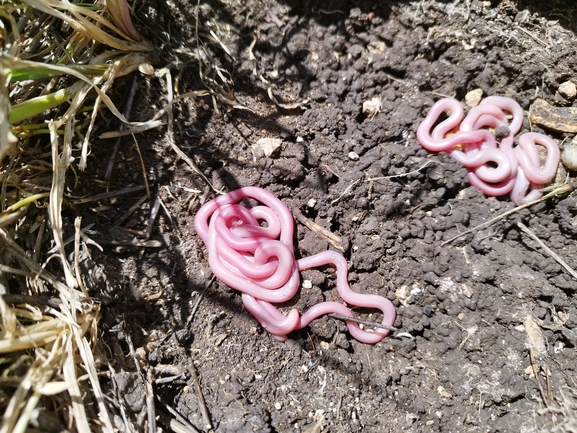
x,y
462,362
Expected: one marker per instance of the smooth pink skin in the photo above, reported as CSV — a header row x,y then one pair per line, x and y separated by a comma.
x,y
525,177
483,116
528,157
492,116
511,106
229,265
432,137
284,216
492,190
280,325
525,191
247,257
350,297
484,152
507,105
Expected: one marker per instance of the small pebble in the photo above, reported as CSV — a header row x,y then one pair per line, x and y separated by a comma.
x,y
372,107
568,90
473,98
354,156
569,156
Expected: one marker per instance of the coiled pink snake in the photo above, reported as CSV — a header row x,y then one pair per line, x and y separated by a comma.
x,y
496,168
259,261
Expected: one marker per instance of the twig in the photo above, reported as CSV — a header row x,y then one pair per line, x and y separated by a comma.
x,y
345,192
127,111
142,165
130,211
332,239
150,410
560,190
178,425
77,225
193,312
535,368
170,131
547,249
401,175
203,408
39,238
363,322
67,293
153,214
131,130
112,194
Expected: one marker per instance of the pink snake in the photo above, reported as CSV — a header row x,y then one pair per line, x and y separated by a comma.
x,y
495,168
259,261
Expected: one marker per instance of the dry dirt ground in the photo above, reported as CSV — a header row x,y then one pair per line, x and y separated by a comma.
x,y
488,323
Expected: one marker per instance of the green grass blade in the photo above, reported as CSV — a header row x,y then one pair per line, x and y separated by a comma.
x,y
34,106
40,72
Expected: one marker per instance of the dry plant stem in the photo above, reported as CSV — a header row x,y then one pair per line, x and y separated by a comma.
x,y
85,27
561,190
535,368
149,390
69,370
130,211
77,224
362,322
345,192
39,238
32,300
10,270
400,175
152,124
332,239
72,238
67,294
142,166
119,399
90,367
203,408
107,195
127,111
200,297
170,131
152,219
111,161
150,410
178,424
547,249
60,163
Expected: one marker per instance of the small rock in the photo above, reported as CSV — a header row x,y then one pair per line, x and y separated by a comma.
x,y
377,47
267,145
354,156
569,156
568,90
473,98
372,107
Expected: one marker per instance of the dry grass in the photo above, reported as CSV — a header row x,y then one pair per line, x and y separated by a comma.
x,y
57,63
